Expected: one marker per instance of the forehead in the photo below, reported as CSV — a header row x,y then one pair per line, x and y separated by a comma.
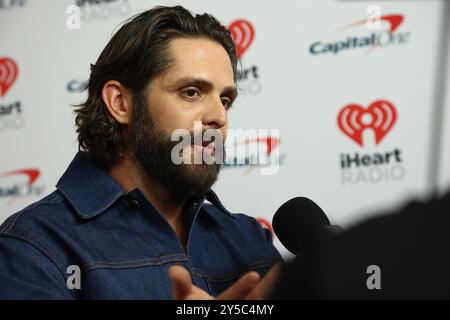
x,y
200,58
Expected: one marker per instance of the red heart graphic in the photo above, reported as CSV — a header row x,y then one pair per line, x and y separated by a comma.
x,y
380,117
243,34
8,74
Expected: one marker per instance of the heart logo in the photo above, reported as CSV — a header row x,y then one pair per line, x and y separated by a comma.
x,y
8,74
243,34
380,116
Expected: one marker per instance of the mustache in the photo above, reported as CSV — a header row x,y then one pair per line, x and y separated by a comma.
x,y
205,137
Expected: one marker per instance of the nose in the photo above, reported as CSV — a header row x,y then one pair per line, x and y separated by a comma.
x,y
215,116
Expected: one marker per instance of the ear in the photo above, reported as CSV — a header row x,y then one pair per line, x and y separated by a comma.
x,y
118,100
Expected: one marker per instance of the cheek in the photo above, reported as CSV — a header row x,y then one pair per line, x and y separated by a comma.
x,y
172,115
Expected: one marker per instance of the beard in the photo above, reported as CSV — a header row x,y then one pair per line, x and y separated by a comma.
x,y
152,148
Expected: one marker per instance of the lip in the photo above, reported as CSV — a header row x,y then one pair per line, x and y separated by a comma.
x,y
208,147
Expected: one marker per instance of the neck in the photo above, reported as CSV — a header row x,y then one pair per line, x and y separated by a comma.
x,y
130,175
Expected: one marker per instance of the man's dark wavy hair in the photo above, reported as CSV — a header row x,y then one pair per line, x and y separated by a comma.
x,y
137,53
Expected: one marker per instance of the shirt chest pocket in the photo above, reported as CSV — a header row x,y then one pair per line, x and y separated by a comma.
x,y
131,282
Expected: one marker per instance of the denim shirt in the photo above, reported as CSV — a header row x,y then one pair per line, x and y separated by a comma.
x,y
121,243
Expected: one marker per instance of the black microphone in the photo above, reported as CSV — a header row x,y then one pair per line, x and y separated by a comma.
x,y
301,225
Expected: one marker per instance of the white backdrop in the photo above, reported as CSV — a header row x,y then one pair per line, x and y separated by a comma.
x,y
292,83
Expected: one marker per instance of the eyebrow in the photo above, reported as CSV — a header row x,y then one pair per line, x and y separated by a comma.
x,y
205,85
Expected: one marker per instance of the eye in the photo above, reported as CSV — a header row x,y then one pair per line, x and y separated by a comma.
x,y
191,93
226,102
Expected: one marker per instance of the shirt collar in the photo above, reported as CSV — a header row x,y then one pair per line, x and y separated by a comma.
x,y
90,190
212,197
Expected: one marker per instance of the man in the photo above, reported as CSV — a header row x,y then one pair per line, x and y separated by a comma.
x,y
124,212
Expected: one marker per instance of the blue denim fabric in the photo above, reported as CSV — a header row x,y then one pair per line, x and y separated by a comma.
x,y
122,244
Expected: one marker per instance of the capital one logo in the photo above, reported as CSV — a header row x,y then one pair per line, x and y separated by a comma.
x,y
243,34
31,174
8,74
23,184
380,116
384,32
394,21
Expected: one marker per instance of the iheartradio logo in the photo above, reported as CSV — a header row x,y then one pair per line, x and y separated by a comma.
x,y
266,224
8,74
380,116
243,34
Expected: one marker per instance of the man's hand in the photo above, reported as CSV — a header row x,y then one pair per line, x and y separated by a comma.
x,y
249,287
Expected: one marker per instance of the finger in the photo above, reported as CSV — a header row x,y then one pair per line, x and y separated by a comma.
x,y
183,288
181,282
241,288
265,287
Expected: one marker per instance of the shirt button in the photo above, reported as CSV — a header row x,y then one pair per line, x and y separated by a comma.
x,y
134,203
194,206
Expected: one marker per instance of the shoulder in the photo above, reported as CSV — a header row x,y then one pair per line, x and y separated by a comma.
x,y
239,224
239,237
37,224
48,208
